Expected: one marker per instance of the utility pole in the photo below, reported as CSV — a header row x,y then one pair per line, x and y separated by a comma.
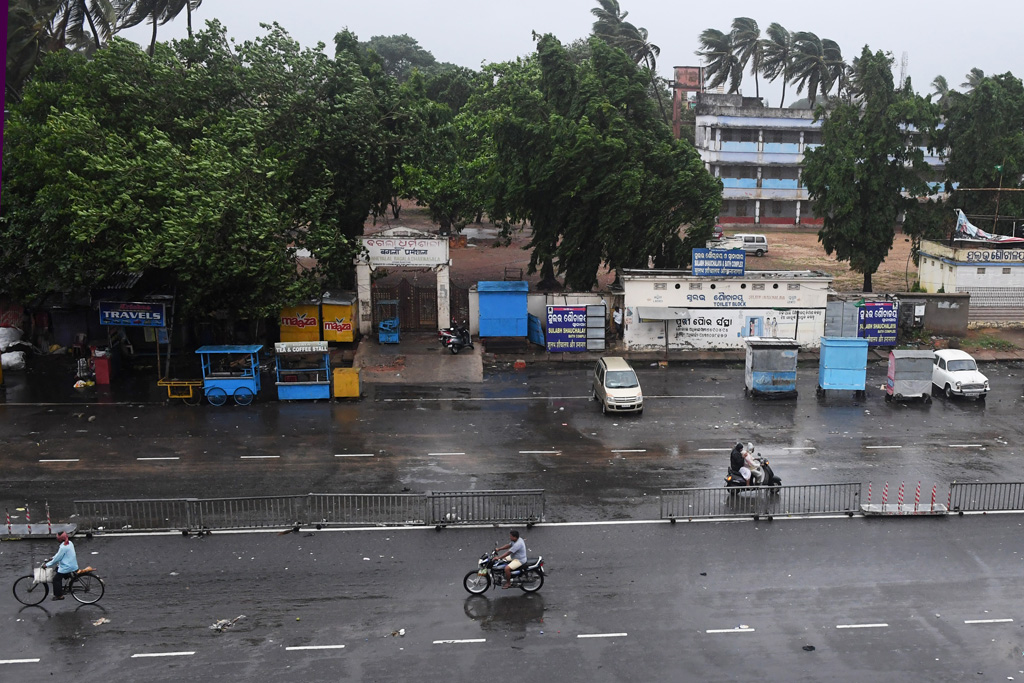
x,y
996,216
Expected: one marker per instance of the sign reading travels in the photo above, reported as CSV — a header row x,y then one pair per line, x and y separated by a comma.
x,y
132,314
877,322
719,262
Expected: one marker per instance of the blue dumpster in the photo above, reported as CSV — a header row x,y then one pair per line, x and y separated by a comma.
x,y
503,309
770,370
843,365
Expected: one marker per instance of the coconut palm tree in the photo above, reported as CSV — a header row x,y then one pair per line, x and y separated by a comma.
x,y
746,41
941,87
611,26
723,63
778,56
835,64
157,12
810,68
974,78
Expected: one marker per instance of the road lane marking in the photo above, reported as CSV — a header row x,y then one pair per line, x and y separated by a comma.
x,y
60,460
602,635
19,661
353,455
966,445
738,629
862,625
629,450
458,642
445,453
987,621
483,399
685,396
315,647
881,447
164,654
801,448
167,458
708,450
539,452
257,457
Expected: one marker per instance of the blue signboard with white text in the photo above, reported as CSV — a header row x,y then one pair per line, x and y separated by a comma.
x,y
567,329
876,322
130,314
719,262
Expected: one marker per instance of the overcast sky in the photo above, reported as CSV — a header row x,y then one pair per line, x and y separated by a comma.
x,y
939,37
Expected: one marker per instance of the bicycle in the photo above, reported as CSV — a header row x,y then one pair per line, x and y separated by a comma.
x,y
84,586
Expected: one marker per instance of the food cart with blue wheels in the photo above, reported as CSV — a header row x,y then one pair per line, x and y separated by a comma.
x,y
230,370
843,365
387,321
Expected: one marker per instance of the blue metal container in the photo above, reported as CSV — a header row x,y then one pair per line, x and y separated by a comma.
x,y
503,309
843,364
771,367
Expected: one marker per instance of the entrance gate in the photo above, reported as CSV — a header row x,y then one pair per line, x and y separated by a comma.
x,y
417,306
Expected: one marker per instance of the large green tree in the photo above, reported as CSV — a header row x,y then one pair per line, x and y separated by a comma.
x,y
210,164
582,154
867,160
983,145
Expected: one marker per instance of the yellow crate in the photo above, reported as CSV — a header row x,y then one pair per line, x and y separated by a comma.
x,y
346,383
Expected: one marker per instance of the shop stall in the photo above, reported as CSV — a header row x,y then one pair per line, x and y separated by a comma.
x,y
303,370
230,370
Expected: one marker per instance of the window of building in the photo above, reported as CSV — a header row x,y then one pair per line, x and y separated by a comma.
x,y
741,208
1006,271
776,208
981,271
793,286
748,136
694,285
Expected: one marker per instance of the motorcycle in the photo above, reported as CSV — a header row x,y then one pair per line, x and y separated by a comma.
x,y
461,339
529,577
446,334
735,479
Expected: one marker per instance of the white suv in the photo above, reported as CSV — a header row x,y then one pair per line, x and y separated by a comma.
x,y
758,244
956,373
616,386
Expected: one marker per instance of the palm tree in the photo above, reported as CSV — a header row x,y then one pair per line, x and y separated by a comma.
x,y
157,12
834,63
611,26
941,87
809,66
778,56
974,78
746,41
723,63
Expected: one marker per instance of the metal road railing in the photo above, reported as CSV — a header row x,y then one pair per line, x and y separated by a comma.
x,y
315,509
352,509
973,497
779,501
486,507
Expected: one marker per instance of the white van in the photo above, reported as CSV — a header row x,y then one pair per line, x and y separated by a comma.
x,y
616,386
758,244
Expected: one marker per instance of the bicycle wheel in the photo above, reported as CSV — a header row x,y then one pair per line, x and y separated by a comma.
x,y
217,396
243,396
28,592
87,588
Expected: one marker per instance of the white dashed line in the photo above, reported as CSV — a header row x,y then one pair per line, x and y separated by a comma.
x,y
167,458
258,457
19,661
629,450
881,447
445,453
539,452
862,625
459,642
686,396
353,455
164,654
966,445
738,629
987,621
315,647
602,635
713,450
800,448
60,460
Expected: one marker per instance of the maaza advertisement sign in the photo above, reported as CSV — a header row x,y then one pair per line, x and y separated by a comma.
x,y
300,323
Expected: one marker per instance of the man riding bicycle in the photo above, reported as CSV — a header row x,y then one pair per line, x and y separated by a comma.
x,y
67,564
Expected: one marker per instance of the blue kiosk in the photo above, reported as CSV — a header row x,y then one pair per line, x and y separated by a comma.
x,y
303,370
231,370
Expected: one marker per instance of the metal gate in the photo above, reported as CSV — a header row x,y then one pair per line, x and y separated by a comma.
x,y
417,306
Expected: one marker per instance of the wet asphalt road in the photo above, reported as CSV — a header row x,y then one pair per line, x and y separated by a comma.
x,y
795,600
529,429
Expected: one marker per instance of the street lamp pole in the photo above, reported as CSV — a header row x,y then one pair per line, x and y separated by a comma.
x,y
998,192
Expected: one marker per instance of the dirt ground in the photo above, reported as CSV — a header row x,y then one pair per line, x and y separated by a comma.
x,y
789,249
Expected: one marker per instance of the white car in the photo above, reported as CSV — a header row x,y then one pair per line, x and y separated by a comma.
x,y
956,374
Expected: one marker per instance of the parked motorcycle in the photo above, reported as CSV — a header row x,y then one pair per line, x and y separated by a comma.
x,y
529,577
446,334
461,339
735,479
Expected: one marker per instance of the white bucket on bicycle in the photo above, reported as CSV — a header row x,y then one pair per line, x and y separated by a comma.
x,y
45,574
